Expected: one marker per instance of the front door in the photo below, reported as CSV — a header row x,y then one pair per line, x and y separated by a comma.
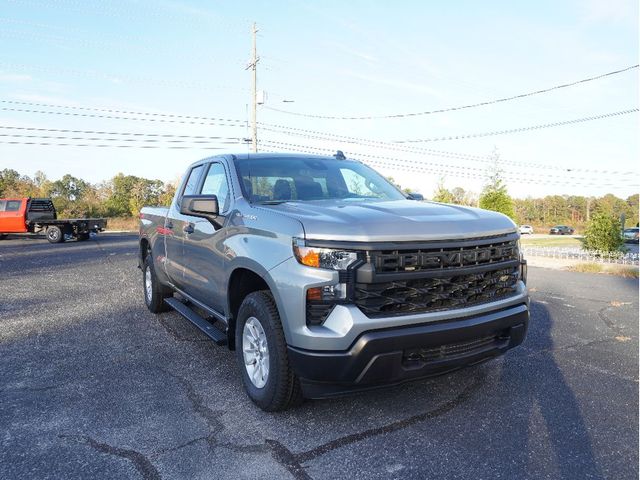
x,y
174,229
204,243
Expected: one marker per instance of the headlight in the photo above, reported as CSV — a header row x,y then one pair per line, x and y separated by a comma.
x,y
322,257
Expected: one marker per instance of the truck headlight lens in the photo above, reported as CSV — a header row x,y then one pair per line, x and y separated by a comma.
x,y
322,257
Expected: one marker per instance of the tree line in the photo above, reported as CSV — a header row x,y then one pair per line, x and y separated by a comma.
x,y
574,210
124,196
121,196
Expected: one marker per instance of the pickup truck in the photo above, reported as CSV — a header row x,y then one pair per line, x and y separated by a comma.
x,y
326,279
38,215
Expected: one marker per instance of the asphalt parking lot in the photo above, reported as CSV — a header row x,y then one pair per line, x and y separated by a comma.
x,y
92,385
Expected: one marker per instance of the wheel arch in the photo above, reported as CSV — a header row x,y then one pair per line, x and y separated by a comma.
x,y
145,248
243,280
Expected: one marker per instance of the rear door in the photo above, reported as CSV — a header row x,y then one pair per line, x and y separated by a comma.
x,y
12,215
204,243
174,228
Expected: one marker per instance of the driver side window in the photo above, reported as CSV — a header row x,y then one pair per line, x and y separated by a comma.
x,y
215,183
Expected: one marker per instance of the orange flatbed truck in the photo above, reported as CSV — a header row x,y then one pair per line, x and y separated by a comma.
x,y
38,215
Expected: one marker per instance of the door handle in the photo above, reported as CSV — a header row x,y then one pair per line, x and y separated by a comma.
x,y
188,228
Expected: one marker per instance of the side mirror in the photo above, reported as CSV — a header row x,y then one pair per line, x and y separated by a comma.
x,y
415,196
205,206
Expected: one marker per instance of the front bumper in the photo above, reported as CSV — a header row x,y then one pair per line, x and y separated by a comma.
x,y
396,355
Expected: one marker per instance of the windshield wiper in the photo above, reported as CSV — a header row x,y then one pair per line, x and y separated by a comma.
x,y
272,202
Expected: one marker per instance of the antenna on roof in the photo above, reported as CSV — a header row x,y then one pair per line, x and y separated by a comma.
x,y
339,155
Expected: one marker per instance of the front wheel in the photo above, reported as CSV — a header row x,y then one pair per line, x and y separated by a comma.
x,y
262,355
55,234
154,291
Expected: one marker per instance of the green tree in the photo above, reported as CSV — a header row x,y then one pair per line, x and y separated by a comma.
x,y
12,184
8,180
441,194
144,192
167,195
494,195
603,233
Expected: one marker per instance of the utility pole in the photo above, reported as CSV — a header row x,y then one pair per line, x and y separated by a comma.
x,y
254,92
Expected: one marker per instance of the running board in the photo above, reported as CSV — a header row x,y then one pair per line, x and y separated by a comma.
x,y
207,327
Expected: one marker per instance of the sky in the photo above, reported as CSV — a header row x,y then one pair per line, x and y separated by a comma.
x,y
97,81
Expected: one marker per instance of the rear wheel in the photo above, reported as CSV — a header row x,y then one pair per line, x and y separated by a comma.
x,y
154,291
262,354
3,236
55,234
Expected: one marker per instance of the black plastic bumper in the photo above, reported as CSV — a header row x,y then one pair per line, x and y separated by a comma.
x,y
386,357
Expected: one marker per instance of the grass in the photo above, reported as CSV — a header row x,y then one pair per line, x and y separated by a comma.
x,y
620,270
557,241
128,224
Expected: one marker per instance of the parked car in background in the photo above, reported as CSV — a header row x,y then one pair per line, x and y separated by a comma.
x,y
630,235
561,230
526,229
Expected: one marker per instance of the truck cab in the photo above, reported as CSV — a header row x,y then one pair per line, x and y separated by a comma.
x,y
12,215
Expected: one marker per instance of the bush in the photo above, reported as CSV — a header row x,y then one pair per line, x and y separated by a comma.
x,y
603,233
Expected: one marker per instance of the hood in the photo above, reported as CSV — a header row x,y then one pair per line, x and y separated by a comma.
x,y
398,220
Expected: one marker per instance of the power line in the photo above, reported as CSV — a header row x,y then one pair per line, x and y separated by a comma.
x,y
445,170
238,123
172,147
101,132
461,107
124,112
520,129
358,140
326,136
420,150
111,139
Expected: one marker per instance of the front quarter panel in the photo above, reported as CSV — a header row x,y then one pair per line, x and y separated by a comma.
x,y
259,240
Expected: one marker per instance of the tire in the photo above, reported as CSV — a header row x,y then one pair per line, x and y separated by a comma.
x,y
55,234
281,388
82,237
154,291
3,236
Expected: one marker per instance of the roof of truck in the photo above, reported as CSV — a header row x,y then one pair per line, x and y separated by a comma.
x,y
258,156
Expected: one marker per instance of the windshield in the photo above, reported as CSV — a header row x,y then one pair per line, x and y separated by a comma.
x,y
275,180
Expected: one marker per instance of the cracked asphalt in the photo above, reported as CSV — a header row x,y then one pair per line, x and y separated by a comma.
x,y
92,385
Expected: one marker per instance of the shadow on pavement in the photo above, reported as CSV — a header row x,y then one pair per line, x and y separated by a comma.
x,y
545,401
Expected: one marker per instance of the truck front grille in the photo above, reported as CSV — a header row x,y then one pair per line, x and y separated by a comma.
x,y
432,258
420,295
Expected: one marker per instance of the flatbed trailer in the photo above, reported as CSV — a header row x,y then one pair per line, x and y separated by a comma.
x,y
38,215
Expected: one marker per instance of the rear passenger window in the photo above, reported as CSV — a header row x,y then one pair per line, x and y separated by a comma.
x,y
13,205
2,205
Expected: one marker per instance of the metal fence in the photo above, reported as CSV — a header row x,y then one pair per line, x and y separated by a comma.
x,y
584,255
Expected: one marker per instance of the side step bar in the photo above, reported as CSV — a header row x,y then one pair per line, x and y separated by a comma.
x,y
207,327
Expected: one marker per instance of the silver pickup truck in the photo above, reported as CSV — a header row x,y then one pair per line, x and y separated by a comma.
x,y
326,279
